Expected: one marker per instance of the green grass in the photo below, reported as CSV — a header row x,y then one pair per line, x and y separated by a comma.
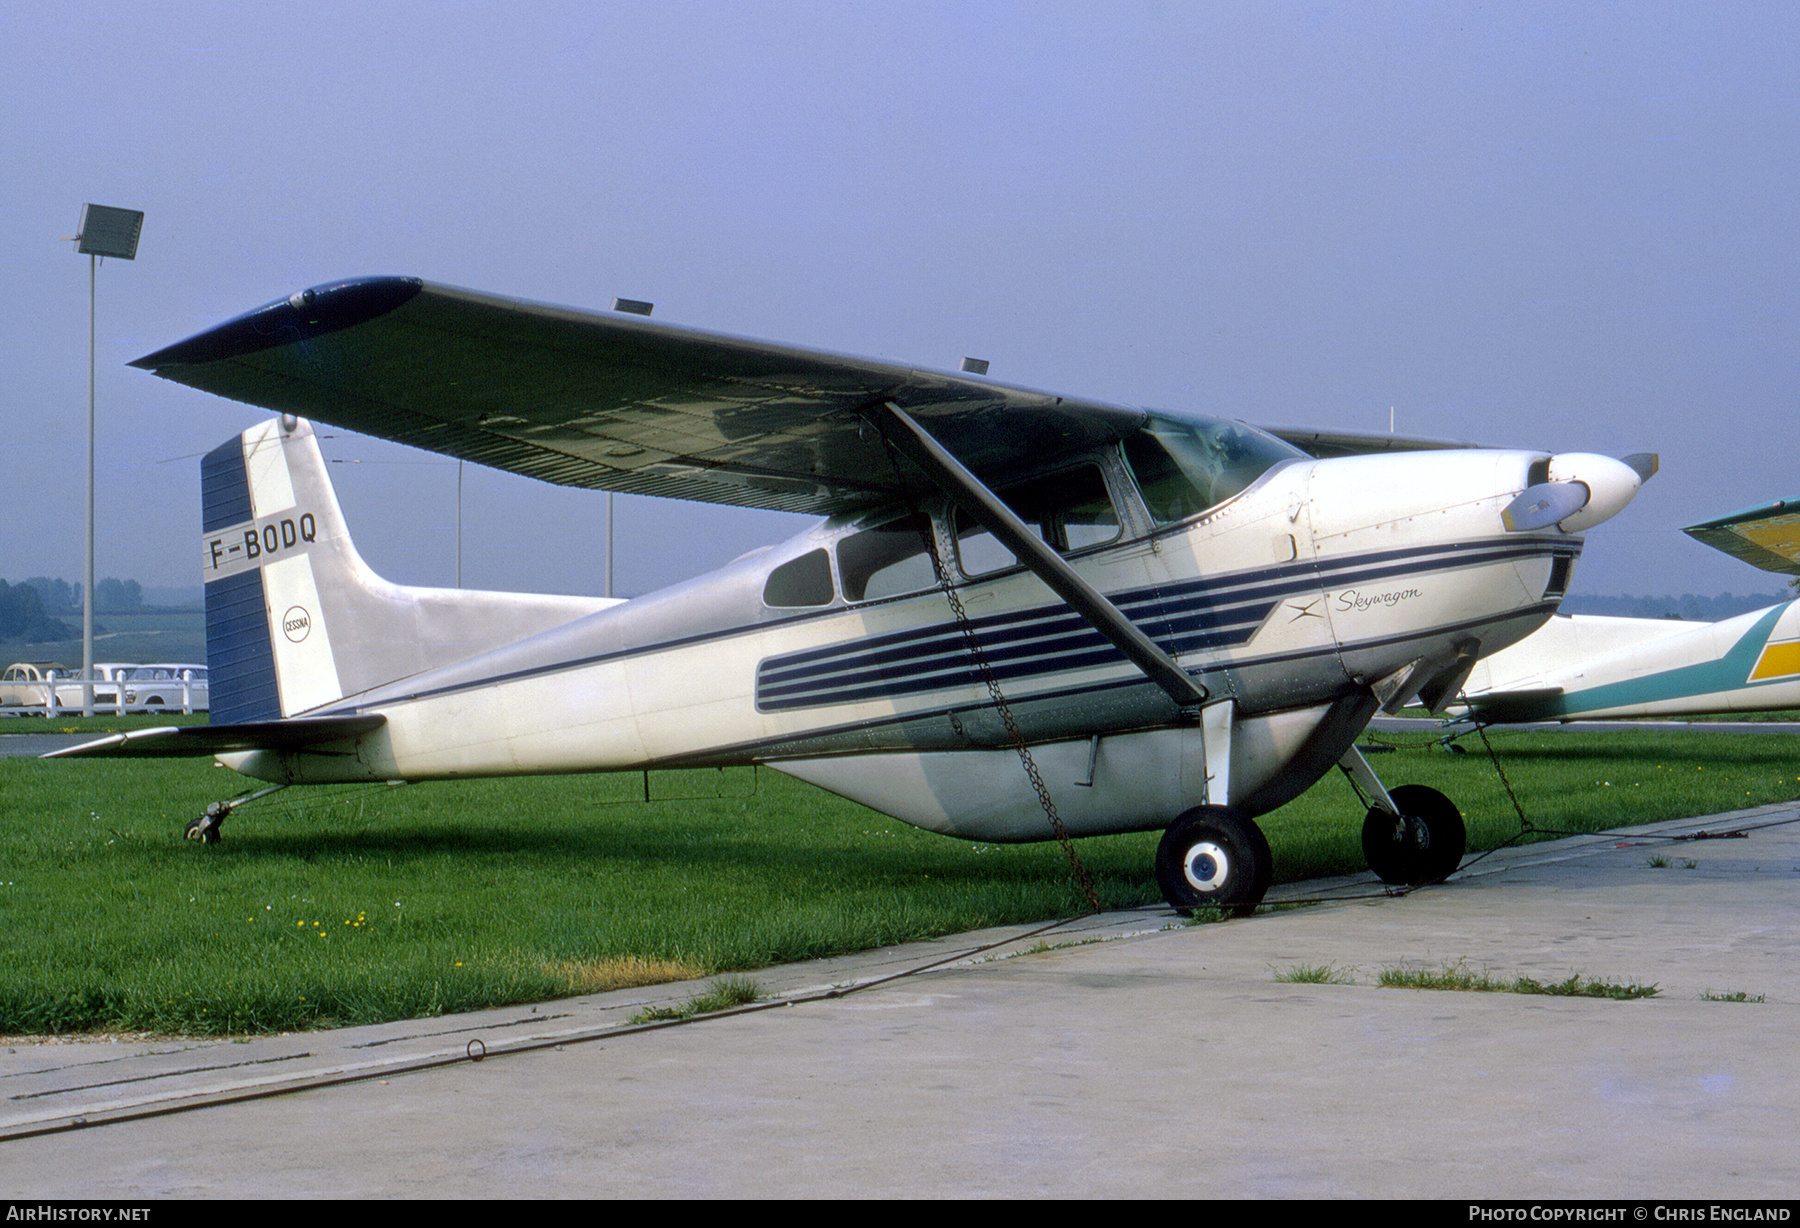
x,y
372,903
339,906
99,723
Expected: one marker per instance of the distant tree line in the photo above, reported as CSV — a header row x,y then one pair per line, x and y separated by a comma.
x,y
1687,606
29,609
111,596
22,615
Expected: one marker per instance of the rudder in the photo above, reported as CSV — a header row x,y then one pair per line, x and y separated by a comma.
x,y
269,653
295,620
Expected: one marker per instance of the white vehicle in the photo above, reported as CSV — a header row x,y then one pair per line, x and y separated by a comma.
x,y
25,683
28,684
111,673
165,688
1025,615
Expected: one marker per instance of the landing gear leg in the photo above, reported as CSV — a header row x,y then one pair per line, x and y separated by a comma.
x,y
1412,835
205,829
1213,857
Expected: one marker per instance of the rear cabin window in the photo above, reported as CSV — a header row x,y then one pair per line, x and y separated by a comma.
x,y
887,561
1185,467
1070,510
805,581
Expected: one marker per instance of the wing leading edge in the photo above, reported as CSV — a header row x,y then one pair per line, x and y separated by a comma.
x,y
614,401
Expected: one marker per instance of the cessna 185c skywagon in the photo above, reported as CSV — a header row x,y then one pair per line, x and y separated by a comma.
x,y
1171,621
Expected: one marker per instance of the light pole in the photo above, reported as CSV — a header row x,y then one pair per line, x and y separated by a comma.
x,y
105,231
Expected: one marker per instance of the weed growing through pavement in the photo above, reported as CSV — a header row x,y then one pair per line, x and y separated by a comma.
x,y
1459,977
720,996
1316,974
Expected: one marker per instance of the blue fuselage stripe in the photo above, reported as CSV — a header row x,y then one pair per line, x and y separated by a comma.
x,y
1185,617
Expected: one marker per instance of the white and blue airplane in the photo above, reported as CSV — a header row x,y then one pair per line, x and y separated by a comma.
x,y
1022,614
1589,667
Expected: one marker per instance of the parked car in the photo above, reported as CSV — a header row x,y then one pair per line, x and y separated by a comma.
x,y
17,689
159,688
26,684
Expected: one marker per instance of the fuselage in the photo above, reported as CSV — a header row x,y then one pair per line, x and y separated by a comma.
x,y
1291,586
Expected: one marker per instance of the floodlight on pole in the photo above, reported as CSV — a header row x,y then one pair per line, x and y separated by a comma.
x,y
105,231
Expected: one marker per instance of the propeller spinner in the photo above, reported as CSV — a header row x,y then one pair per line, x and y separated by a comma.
x,y
1584,489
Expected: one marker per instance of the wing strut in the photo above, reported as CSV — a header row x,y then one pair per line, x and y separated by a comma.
x,y
967,490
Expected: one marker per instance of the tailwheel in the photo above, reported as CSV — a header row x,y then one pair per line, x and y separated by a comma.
x,y
1424,843
205,829
1213,857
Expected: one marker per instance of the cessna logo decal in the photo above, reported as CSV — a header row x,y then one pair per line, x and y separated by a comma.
x,y
296,623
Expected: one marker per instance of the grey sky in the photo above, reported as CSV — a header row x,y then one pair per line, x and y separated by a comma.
x,y
1562,226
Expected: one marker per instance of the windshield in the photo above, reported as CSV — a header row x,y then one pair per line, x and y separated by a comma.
x,y
1185,466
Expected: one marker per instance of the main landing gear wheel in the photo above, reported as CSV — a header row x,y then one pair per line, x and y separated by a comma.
x,y
1424,844
1213,857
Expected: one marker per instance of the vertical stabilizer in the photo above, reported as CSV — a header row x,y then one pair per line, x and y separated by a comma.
x,y
295,620
268,645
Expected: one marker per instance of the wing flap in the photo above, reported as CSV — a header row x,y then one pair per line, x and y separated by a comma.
x,y
613,401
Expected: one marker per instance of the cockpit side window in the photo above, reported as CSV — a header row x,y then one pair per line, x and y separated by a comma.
x,y
1070,509
887,561
1184,468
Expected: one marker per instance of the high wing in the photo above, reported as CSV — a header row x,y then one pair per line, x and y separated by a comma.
x,y
613,401
1767,536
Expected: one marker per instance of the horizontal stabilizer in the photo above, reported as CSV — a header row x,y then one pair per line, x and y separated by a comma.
x,y
185,741
1507,706
1767,537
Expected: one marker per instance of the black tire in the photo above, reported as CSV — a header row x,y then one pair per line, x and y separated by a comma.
x,y
1211,857
1425,846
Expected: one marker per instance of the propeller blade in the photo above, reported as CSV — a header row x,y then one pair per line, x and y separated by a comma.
x,y
1540,506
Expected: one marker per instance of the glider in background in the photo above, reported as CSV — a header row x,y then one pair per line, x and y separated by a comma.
x,y
1585,667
